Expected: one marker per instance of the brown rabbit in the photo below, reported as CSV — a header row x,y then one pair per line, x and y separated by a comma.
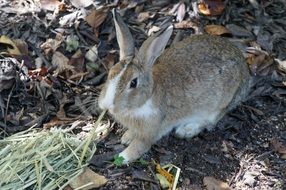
x,y
188,87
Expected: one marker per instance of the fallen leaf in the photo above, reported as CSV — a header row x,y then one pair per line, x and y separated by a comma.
x,y
50,5
109,60
9,45
166,174
181,12
69,19
211,7
77,61
153,29
163,181
213,184
57,122
92,54
281,65
22,7
249,178
166,177
96,17
60,61
37,74
72,43
22,46
260,62
88,180
7,73
51,45
217,30
238,30
81,3
186,24
143,16
279,147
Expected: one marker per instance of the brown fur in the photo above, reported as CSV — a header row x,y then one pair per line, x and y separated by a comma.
x,y
197,79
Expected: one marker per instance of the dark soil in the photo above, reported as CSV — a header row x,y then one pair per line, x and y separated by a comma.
x,y
241,148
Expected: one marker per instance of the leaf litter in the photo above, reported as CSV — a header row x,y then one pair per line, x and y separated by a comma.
x,y
62,51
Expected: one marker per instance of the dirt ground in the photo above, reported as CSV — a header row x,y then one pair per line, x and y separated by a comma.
x,y
58,83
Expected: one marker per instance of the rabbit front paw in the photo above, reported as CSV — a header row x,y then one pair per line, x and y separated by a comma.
x,y
127,137
135,149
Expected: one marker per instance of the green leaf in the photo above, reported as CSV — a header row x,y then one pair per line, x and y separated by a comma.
x,y
72,45
118,160
143,162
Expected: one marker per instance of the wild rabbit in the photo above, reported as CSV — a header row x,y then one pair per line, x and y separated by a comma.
x,y
188,87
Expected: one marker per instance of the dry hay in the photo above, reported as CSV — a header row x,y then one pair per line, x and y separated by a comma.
x,y
43,159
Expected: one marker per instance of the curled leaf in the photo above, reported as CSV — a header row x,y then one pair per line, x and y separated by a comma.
x,y
96,17
211,7
88,180
181,12
217,30
9,45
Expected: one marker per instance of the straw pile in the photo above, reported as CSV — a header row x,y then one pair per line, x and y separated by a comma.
x,y
43,159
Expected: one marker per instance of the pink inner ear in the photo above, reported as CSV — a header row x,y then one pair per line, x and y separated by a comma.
x,y
153,47
123,36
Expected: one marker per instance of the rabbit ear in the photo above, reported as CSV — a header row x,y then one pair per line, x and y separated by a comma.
x,y
152,48
124,37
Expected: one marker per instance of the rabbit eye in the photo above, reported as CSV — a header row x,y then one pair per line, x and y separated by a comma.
x,y
133,83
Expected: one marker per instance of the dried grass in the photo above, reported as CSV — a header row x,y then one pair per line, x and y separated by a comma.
x,y
39,159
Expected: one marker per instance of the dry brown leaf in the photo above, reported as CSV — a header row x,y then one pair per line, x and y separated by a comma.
x,y
143,16
77,61
281,65
211,7
256,62
109,60
213,184
186,24
96,17
37,74
57,122
88,180
51,45
22,46
50,5
61,63
279,147
216,30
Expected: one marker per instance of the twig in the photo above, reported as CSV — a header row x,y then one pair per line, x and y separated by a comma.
x,y
39,54
242,164
154,175
8,102
79,35
195,170
264,154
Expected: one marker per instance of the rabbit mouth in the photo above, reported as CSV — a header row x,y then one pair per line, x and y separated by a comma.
x,y
111,110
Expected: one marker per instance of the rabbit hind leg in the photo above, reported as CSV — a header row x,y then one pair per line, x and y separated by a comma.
x,y
188,130
194,125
